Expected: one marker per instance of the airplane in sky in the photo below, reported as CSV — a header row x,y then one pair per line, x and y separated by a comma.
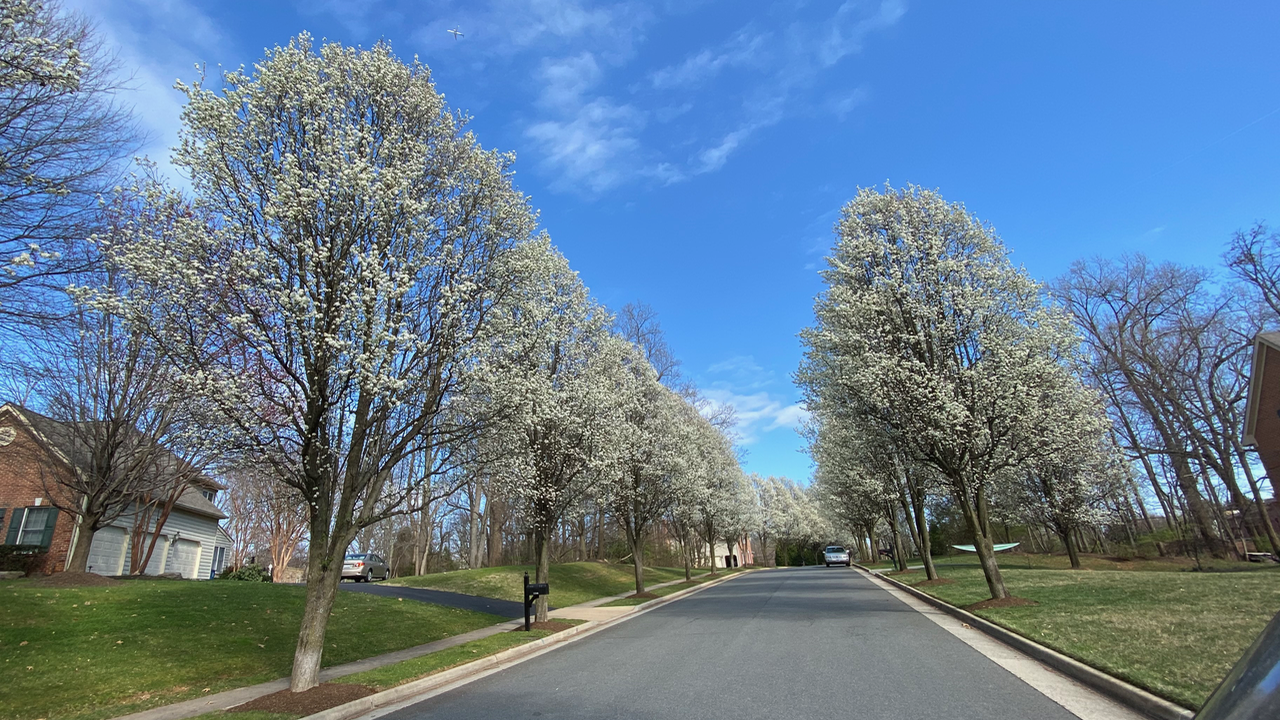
x,y
456,33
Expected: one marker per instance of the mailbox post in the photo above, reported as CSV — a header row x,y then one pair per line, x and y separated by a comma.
x,y
531,594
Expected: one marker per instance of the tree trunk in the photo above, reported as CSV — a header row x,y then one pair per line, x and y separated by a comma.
x,y
79,561
688,563
1068,539
974,510
711,535
542,573
899,555
916,492
473,527
323,575
495,510
1201,513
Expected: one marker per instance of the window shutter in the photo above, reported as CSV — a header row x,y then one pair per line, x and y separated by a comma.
x,y
14,526
2,517
47,539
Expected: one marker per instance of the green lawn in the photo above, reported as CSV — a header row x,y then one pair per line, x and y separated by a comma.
x,y
1090,562
571,583
671,589
1174,633
85,653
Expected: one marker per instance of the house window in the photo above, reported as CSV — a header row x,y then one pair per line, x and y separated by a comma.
x,y
35,527
219,559
209,494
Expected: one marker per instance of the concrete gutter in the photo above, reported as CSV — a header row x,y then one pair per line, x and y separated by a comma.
x,y
444,681
1130,696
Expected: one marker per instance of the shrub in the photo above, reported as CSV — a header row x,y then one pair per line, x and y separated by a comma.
x,y
248,573
21,557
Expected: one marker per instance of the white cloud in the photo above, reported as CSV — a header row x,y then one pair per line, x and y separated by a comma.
x,y
741,383
789,68
158,42
842,105
741,50
506,28
756,413
589,141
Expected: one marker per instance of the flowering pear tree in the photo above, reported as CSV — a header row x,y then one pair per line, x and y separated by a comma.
x,y
555,379
657,466
327,290
930,332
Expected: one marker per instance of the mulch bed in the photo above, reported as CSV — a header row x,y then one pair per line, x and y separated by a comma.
x,y
320,697
932,583
1001,603
74,579
641,596
552,625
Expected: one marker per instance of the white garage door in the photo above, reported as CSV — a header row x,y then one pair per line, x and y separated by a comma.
x,y
106,556
156,566
186,557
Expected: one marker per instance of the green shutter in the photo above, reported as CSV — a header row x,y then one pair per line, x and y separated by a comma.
x,y
47,539
14,526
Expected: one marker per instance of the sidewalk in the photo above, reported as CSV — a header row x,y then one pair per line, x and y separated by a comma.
x,y
589,611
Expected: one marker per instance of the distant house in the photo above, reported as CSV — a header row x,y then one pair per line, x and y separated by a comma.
x,y
1262,414
191,542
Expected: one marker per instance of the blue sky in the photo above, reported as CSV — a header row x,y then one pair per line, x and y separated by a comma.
x,y
694,155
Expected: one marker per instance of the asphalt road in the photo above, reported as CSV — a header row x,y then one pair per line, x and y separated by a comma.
x,y
782,644
493,606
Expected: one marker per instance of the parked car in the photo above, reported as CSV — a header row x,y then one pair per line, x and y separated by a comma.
x,y
836,555
363,567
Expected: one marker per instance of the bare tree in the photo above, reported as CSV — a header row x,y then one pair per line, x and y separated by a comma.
x,y
64,140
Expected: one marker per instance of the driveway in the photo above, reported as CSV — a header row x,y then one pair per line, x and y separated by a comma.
x,y
493,606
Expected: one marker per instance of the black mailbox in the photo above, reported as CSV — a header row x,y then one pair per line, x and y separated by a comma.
x,y
532,591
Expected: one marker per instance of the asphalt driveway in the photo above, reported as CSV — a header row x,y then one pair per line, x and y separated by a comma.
x,y
493,606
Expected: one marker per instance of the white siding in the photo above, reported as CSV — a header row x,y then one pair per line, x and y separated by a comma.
x,y
181,527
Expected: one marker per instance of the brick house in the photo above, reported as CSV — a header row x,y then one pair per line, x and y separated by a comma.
x,y
33,448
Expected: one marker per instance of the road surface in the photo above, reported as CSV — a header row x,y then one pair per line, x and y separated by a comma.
x,y
783,644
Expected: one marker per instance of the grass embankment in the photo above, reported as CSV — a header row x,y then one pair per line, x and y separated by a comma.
x,y
670,589
1089,562
571,583
1176,634
99,652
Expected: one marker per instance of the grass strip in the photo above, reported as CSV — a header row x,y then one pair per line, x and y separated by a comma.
x,y
390,676
250,715
571,583
1177,634
99,652
670,589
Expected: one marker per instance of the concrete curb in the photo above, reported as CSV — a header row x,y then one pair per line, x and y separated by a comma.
x,y
1122,692
447,679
